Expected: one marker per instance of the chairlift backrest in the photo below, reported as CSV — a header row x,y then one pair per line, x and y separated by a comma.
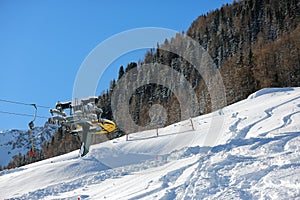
x,y
63,105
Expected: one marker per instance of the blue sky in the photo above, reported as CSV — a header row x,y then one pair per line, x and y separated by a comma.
x,y
43,43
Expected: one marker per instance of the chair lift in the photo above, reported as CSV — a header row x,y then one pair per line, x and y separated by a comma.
x,y
85,119
31,126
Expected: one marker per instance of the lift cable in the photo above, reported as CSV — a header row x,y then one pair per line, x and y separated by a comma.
x,y
21,103
22,114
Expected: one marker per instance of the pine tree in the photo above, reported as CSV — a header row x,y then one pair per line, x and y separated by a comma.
x,y
121,72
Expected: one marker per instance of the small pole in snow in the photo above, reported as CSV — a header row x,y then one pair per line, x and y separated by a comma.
x,y
192,123
126,132
159,125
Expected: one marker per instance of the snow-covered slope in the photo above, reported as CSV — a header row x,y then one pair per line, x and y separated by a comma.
x,y
257,156
14,142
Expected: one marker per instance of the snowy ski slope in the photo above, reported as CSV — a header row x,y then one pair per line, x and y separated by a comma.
x,y
257,156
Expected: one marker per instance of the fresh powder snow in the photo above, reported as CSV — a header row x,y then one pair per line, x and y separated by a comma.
x,y
255,156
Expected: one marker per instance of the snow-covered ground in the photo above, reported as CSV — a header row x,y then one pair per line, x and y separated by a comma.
x,y
256,156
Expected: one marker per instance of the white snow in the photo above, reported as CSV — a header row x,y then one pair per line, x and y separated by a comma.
x,y
256,156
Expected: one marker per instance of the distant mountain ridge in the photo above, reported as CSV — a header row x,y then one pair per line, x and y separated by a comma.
x,y
17,142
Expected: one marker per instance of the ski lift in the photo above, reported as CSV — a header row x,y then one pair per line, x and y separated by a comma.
x,y
84,120
31,126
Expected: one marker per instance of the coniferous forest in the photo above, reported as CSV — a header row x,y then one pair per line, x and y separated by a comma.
x,y
254,44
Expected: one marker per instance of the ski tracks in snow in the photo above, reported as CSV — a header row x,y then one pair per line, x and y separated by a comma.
x,y
246,132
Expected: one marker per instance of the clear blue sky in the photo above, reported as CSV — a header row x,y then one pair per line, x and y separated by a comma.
x,y
43,43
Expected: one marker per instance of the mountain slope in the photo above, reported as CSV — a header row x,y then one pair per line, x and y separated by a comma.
x,y
15,142
257,155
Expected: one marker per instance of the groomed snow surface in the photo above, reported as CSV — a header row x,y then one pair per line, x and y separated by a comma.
x,y
255,156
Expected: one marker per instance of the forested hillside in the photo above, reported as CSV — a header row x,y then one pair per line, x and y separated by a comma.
x,y
255,44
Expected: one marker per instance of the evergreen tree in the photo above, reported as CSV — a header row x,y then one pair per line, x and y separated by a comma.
x,y
121,72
